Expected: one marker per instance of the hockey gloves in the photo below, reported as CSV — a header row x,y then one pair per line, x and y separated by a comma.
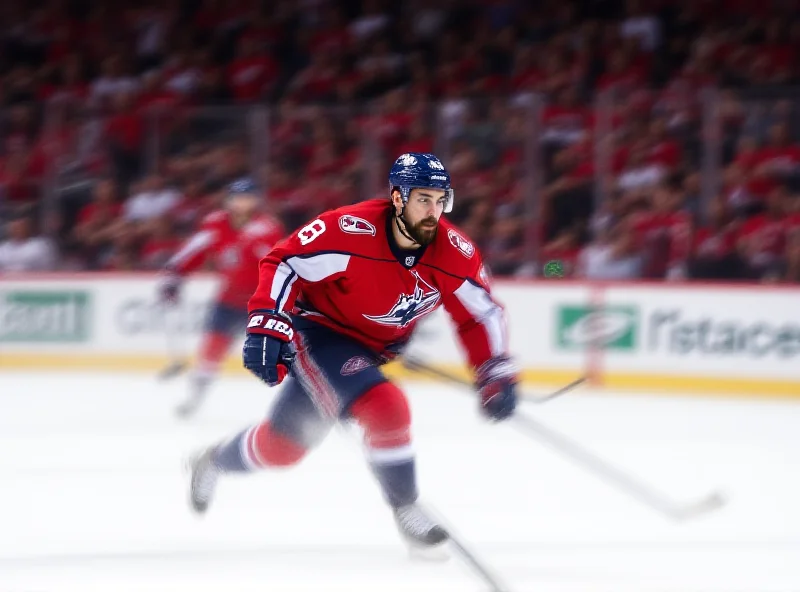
x,y
169,287
496,381
268,352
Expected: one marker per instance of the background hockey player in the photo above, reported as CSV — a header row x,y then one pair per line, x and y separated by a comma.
x,y
347,290
236,238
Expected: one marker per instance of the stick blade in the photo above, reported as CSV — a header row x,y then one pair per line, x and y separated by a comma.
x,y
708,504
172,371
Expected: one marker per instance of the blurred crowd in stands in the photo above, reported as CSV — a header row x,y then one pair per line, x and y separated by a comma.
x,y
626,139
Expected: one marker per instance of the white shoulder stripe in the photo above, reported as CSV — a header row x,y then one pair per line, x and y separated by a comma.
x,y
486,311
318,267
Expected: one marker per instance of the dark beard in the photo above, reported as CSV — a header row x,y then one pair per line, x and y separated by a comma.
x,y
421,234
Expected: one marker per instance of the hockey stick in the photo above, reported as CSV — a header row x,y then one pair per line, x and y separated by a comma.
x,y
580,455
413,363
172,370
614,476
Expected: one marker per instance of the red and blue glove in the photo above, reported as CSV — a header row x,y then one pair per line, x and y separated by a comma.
x,y
268,352
497,385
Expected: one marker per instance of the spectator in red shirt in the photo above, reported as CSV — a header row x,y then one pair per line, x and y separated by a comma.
x,y
662,149
115,80
566,120
68,83
780,158
317,81
253,73
526,76
793,213
762,239
160,245
333,37
98,223
196,201
621,76
793,258
124,253
664,233
124,134
417,138
714,253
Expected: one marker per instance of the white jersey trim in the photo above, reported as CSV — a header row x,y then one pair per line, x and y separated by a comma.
x,y
487,312
311,269
282,285
194,245
318,267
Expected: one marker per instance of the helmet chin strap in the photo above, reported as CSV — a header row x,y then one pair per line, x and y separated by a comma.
x,y
404,227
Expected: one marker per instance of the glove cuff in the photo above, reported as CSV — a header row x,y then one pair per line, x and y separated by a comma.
x,y
271,323
500,368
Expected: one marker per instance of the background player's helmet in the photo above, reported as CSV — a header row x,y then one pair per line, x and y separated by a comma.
x,y
243,197
417,170
243,186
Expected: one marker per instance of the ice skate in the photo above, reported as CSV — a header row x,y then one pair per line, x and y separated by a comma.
x,y
198,391
190,406
418,529
204,479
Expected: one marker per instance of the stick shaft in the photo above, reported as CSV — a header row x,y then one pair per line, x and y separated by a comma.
x,y
419,366
608,473
601,468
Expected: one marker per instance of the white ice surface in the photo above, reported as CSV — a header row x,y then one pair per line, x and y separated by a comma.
x,y
93,496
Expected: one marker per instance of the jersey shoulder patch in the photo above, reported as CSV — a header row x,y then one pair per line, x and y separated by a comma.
x,y
461,244
339,229
356,225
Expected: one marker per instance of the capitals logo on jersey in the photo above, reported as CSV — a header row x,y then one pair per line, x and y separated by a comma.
x,y
410,307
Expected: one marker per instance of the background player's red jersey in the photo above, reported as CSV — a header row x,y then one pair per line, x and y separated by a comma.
x,y
235,251
343,271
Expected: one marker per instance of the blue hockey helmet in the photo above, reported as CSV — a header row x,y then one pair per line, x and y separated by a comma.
x,y
416,170
241,186
243,197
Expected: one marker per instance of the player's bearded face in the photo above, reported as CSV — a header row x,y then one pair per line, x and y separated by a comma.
x,y
423,231
421,215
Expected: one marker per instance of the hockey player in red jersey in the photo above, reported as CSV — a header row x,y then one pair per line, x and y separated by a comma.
x,y
338,299
236,238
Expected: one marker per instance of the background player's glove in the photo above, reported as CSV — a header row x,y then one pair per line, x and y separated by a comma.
x,y
169,287
268,351
496,380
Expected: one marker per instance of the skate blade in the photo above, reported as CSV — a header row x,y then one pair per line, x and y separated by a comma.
x,y
436,554
187,409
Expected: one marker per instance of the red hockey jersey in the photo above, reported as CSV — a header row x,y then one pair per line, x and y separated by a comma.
x,y
345,271
235,252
